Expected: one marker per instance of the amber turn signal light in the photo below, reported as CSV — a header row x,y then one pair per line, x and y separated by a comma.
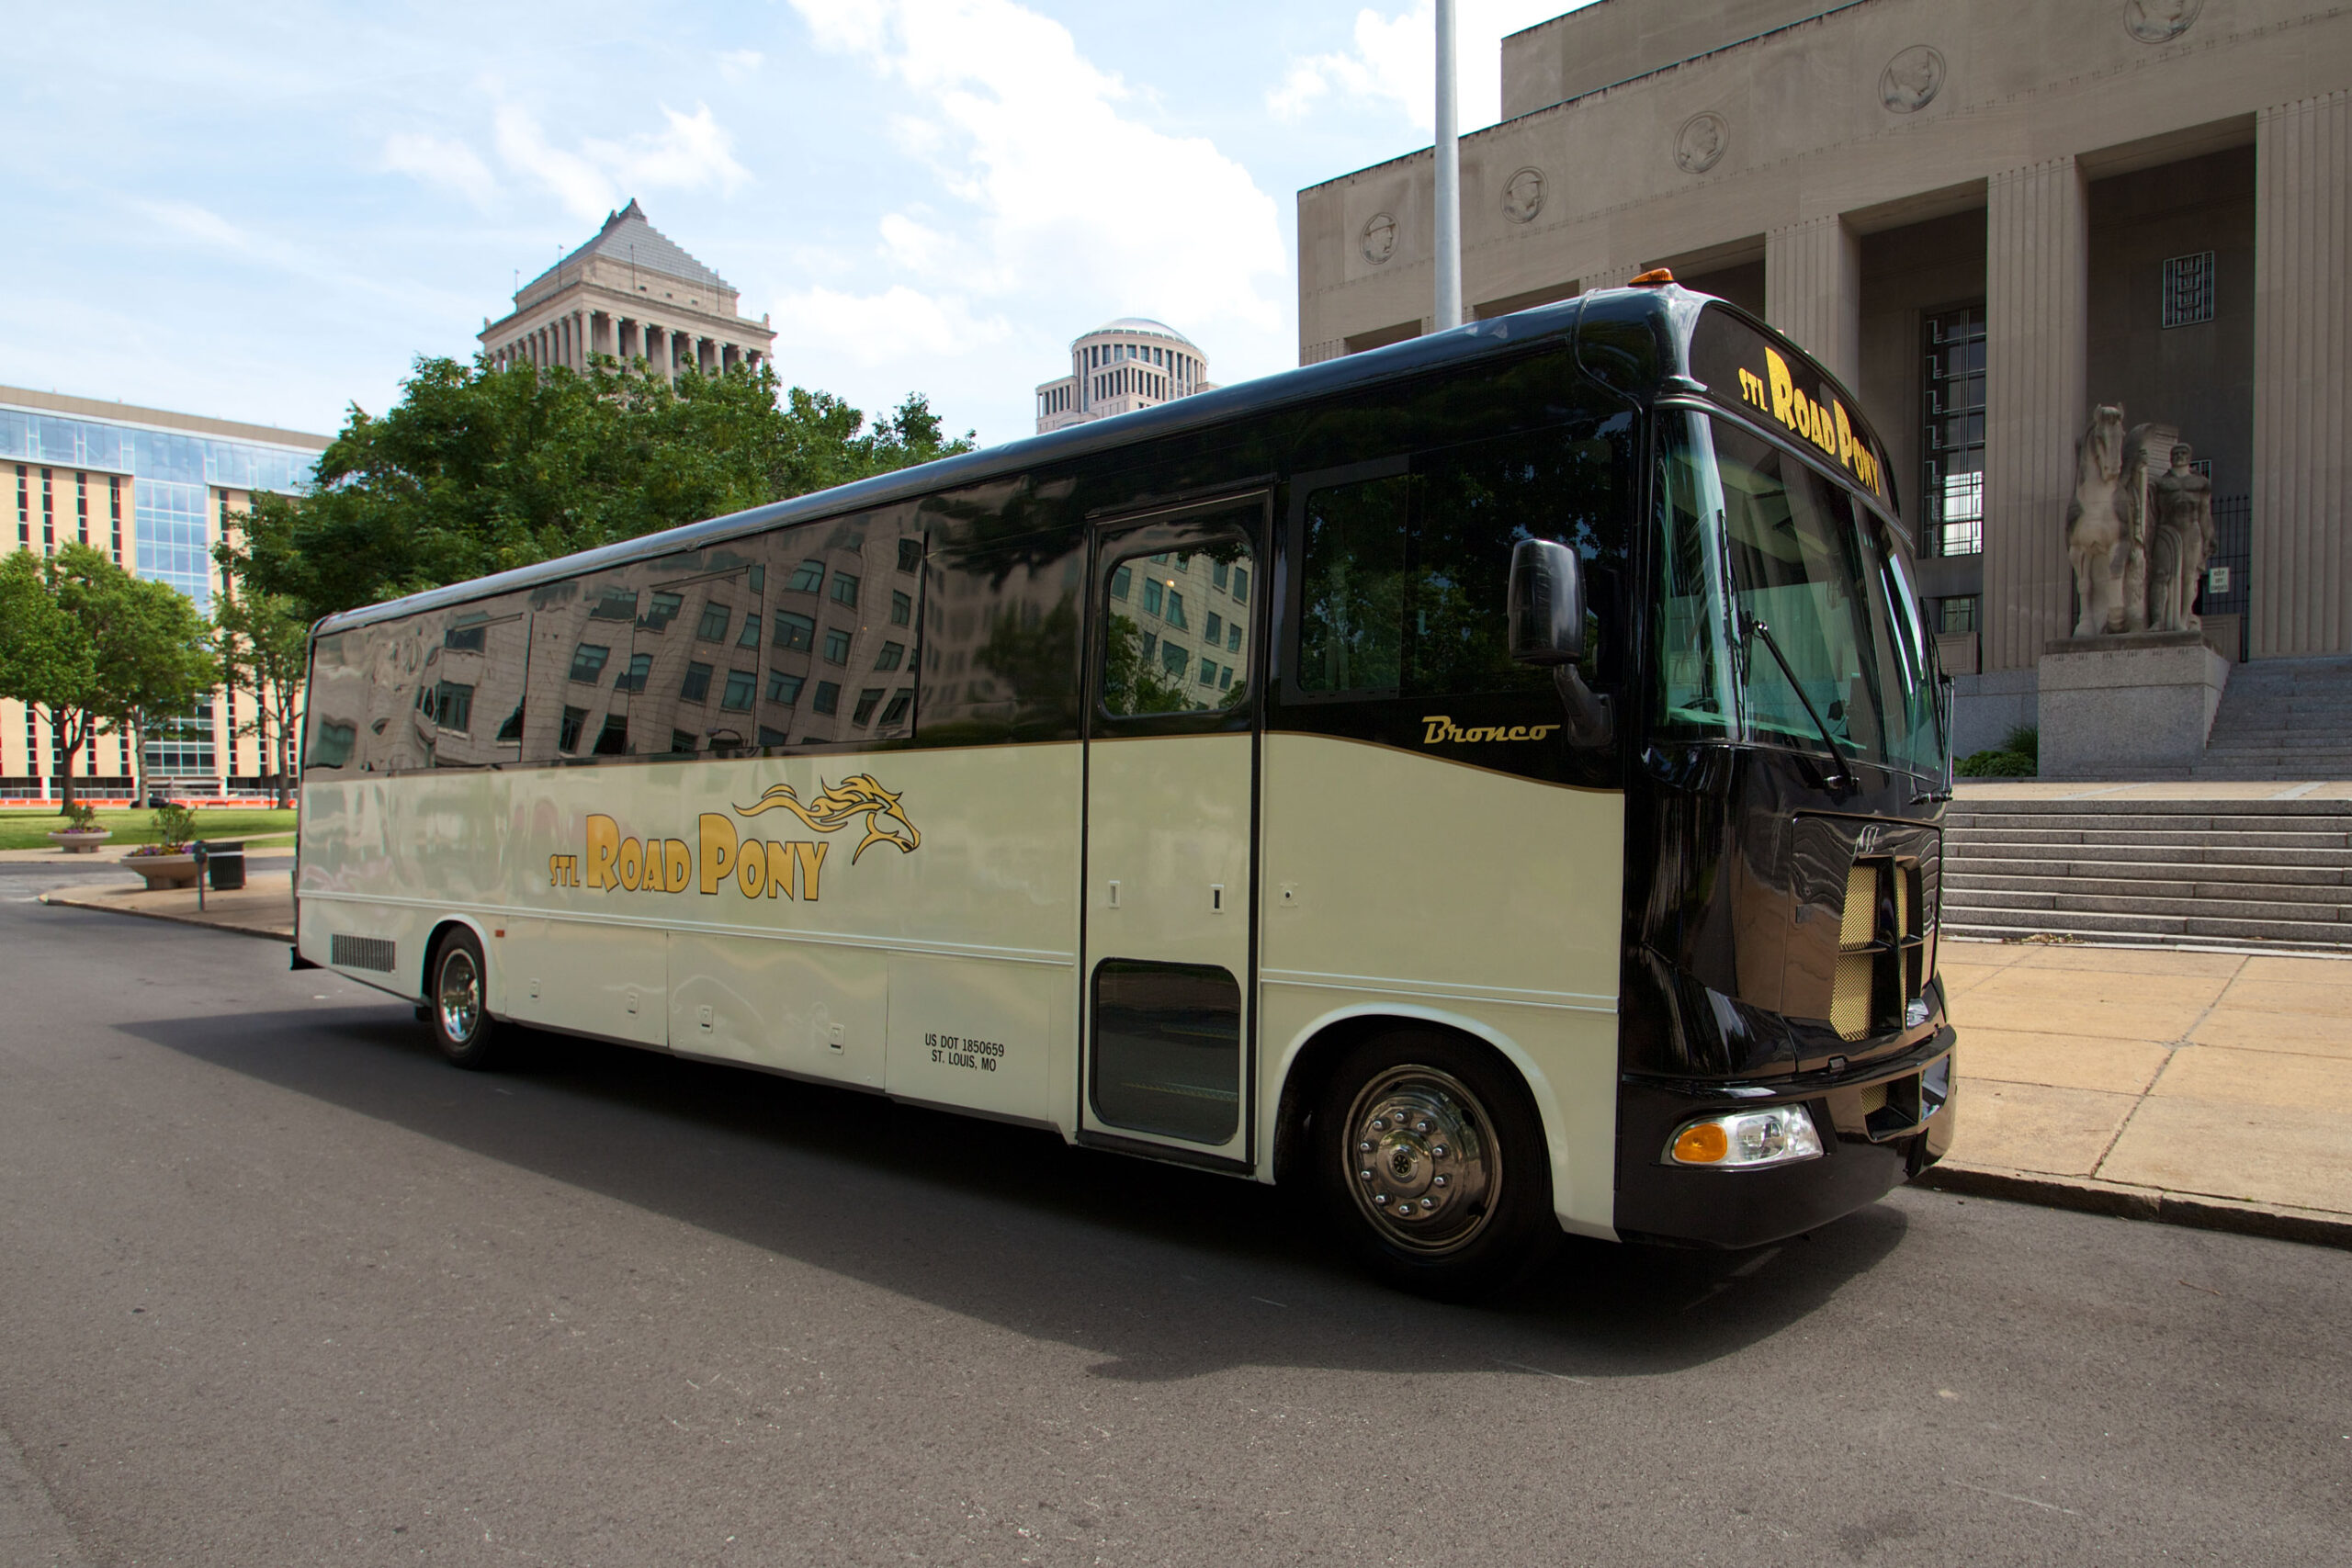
x,y
1703,1142
1653,278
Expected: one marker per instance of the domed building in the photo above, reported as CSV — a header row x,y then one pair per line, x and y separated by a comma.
x,y
1129,363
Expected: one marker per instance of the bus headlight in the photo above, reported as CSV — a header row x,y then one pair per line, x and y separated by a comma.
x,y
1745,1140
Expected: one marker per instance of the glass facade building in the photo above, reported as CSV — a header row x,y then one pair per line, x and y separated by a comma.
x,y
150,489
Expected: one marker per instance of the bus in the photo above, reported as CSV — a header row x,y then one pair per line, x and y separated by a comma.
x,y
1493,782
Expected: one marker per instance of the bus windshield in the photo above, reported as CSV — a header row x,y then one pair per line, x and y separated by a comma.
x,y
1789,619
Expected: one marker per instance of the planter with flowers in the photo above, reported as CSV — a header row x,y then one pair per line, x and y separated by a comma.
x,y
80,835
169,862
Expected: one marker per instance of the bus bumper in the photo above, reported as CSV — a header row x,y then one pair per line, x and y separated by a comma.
x,y
1862,1158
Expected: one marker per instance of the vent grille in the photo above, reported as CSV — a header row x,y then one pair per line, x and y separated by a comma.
x,y
1882,949
362,953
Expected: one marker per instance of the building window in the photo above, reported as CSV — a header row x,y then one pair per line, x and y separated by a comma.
x,y
836,646
615,604
751,638
683,741
697,688
1176,610
890,656
910,554
178,746
568,738
613,739
1241,584
640,665
741,684
808,578
662,609
452,707
829,697
896,711
845,590
588,662
1956,614
902,608
794,634
174,541
1215,629
714,623
1953,449
2189,289
784,689
1122,580
867,701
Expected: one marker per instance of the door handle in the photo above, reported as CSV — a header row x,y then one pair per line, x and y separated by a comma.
x,y
1114,893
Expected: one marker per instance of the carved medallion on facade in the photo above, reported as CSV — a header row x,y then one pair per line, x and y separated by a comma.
x,y
2159,21
1523,196
1699,146
1379,238
1911,79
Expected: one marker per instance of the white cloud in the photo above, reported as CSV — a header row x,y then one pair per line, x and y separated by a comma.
x,y
890,328
574,181
440,161
739,65
691,152
694,153
1395,60
1063,196
201,225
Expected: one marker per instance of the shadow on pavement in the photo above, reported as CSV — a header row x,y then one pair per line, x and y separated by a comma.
x,y
1167,1273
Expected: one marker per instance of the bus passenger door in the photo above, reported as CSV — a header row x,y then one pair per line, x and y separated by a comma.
x,y
1170,806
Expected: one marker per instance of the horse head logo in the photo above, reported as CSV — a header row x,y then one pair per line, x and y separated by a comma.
x,y
830,810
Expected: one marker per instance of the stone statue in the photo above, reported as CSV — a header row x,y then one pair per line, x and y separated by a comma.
x,y
2097,537
2180,506
2146,450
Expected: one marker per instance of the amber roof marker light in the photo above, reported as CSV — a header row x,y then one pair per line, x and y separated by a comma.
x,y
1656,277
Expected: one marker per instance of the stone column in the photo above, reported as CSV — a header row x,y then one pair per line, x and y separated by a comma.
x,y
2036,307
2302,382
1813,292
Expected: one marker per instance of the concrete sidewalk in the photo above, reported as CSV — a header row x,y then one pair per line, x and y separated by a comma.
x,y
2206,1088
263,907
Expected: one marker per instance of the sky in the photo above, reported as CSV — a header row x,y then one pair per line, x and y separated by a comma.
x,y
270,214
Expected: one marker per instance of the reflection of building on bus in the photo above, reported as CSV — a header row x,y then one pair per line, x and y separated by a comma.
x,y
1984,219
1492,783
152,489
1132,363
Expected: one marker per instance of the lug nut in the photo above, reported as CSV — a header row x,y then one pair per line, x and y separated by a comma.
x,y
1379,1124
1438,1150
1380,1197
1422,1126
1437,1182
1364,1174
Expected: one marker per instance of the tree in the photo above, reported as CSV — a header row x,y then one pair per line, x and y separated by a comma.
x,y
477,470
90,647
265,647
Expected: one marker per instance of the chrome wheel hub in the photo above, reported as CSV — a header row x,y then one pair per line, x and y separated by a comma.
x,y
457,996
1422,1159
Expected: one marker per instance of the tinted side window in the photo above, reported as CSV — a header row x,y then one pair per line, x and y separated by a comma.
x,y
481,673
1404,575
821,622
1000,618
335,706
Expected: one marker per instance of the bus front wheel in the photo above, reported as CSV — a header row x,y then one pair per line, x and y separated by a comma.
x,y
1431,1162
455,1003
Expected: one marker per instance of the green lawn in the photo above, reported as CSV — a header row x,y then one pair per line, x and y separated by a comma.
x,y
30,829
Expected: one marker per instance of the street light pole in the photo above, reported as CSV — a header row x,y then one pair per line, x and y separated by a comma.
x,y
1449,179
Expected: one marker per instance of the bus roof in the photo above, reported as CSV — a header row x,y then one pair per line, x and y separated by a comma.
x,y
1664,316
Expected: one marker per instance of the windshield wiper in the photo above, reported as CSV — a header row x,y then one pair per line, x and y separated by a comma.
x,y
1840,772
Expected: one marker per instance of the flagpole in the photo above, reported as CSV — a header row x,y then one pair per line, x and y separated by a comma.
x,y
1449,179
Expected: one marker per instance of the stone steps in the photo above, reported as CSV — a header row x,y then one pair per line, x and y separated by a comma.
x,y
2274,873
2282,718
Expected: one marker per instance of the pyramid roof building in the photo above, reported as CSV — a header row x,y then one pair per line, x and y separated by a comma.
x,y
631,292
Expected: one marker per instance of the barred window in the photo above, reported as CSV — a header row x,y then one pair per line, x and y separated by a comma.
x,y
2189,289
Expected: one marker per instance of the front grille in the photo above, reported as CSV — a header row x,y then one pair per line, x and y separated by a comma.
x,y
1882,949
362,953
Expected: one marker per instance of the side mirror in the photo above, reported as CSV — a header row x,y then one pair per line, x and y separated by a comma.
x,y
1547,604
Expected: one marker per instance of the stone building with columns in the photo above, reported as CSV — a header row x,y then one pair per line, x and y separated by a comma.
x,y
1131,362
1985,218
632,293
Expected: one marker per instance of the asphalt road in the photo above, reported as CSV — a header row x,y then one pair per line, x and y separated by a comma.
x,y
280,1287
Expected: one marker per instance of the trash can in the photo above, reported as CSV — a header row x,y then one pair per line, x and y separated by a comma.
x,y
225,865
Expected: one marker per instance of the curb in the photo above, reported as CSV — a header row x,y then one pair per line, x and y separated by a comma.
x,y
267,933
2311,1226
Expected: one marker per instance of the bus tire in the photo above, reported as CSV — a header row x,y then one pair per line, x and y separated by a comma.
x,y
456,1002
1431,1162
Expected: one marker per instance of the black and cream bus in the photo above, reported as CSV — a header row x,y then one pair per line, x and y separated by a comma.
x,y
1495,780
